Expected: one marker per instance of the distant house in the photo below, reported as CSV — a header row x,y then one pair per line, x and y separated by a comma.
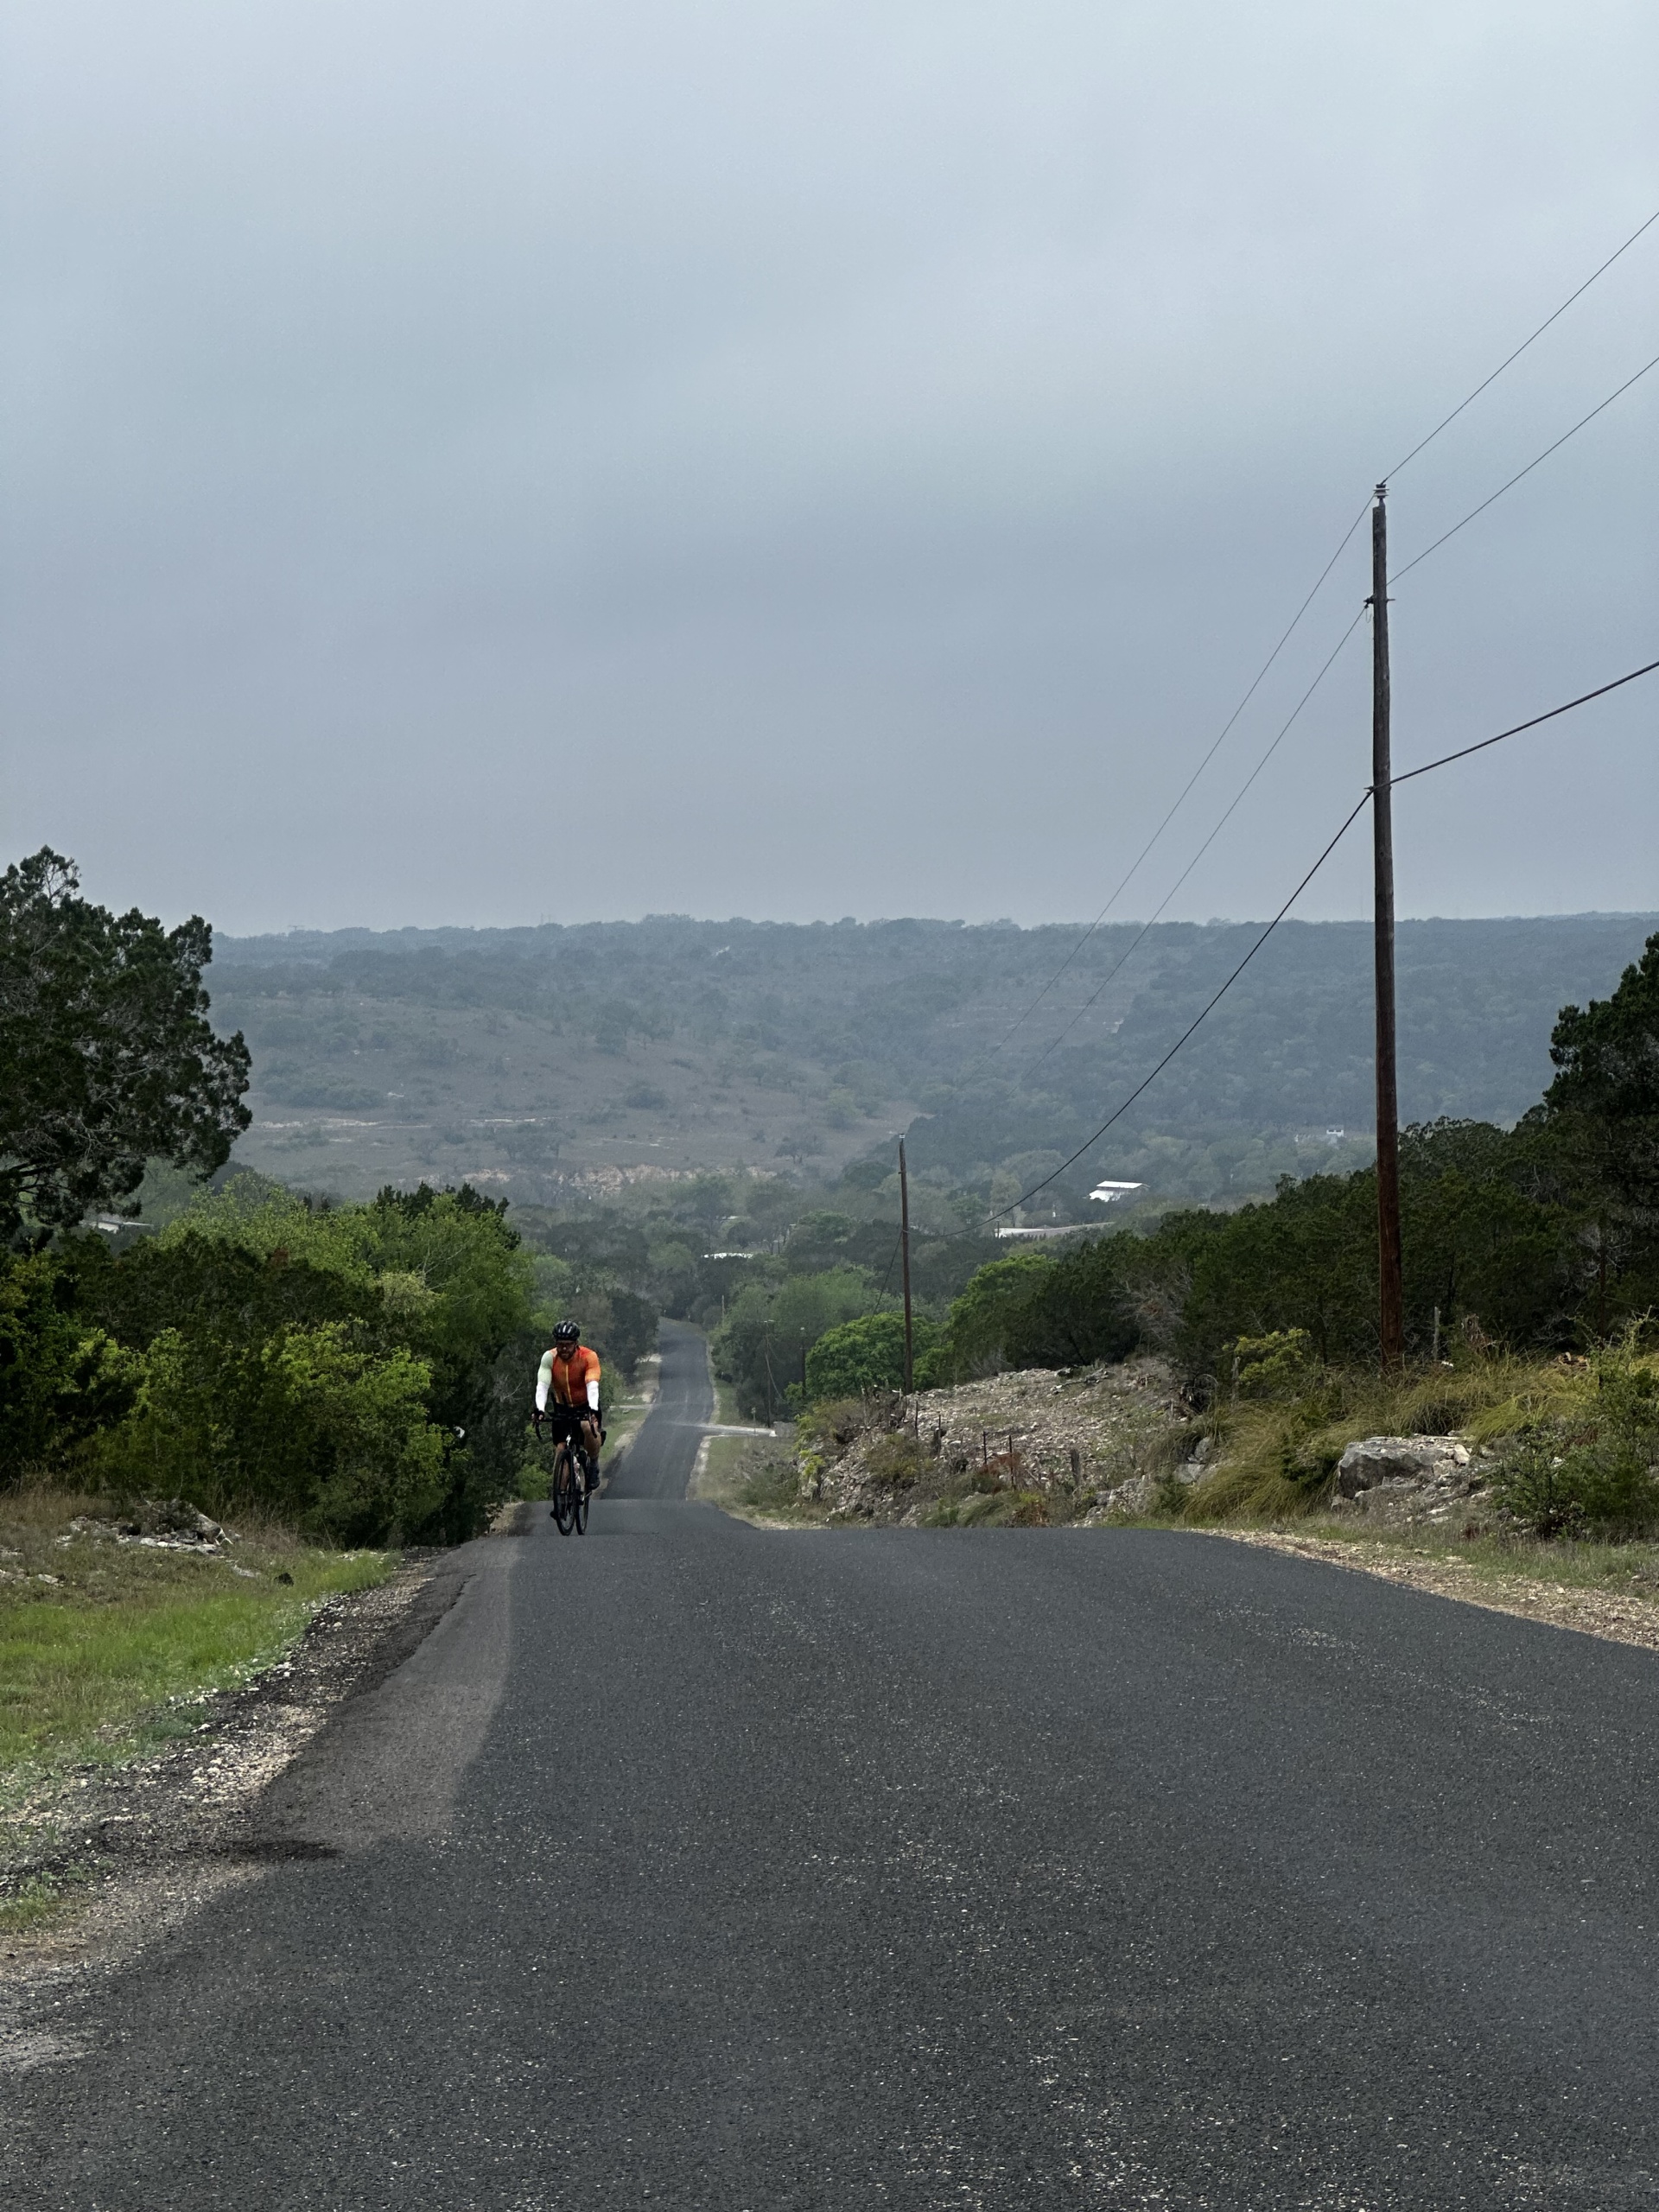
x,y
1106,1192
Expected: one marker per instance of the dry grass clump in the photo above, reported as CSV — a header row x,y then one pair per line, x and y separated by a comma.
x,y
1275,1455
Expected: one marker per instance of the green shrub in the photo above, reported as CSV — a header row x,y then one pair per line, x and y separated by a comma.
x,y
899,1458
976,1340
865,1355
771,1329
324,1362
1279,1365
331,1438
62,1377
1595,1473
1078,1311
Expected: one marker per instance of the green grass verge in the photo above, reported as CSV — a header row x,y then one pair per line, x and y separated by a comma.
x,y
41,1903
109,1654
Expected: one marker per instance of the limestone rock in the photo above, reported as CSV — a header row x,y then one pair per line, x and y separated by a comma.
x,y
1402,1480
1377,1459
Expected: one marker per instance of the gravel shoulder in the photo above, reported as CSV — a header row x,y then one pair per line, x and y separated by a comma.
x,y
115,1853
1616,1616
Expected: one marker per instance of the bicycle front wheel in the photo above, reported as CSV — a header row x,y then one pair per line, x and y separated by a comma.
x,y
565,1482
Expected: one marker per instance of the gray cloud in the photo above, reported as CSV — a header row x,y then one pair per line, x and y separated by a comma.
x,y
854,457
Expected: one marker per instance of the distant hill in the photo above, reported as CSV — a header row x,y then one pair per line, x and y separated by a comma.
x,y
550,1060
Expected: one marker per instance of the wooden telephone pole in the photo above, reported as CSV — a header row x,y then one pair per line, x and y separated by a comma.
x,y
1390,1295
904,1247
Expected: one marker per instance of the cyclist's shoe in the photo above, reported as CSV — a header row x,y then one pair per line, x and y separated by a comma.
x,y
592,1473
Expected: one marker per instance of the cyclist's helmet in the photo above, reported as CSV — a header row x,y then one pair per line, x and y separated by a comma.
x,y
567,1333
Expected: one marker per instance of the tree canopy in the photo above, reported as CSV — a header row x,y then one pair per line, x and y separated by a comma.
x,y
106,1057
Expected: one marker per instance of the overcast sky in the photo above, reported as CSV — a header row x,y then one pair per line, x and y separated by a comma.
x,y
521,461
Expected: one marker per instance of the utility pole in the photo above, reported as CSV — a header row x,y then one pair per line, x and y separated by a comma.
x,y
1390,1295
904,1247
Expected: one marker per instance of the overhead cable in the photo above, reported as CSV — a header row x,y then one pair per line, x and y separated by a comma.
x,y
1447,759
1123,1110
1147,927
1527,471
1582,699
1525,342
1182,796
1020,1019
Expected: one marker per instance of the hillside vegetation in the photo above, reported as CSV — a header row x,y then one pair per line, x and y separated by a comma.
x,y
546,1064
1538,1240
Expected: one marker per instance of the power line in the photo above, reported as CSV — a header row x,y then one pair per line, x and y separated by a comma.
x,y
1180,800
1147,926
1208,1010
1447,759
1343,640
1527,471
1525,342
1507,361
1582,699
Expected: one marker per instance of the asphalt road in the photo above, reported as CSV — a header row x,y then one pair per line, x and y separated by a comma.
x,y
691,1864
659,1463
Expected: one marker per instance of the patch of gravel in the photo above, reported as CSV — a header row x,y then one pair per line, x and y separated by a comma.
x,y
133,1846
1593,1612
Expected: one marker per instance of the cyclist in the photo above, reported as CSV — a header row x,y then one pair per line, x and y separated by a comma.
x,y
568,1376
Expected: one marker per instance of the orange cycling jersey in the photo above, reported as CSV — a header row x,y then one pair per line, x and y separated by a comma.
x,y
564,1378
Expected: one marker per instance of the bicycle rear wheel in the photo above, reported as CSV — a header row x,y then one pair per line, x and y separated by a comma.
x,y
565,1483
581,1497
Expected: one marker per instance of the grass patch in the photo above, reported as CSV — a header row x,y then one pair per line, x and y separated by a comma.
x,y
1275,1456
753,1476
105,1647
38,1903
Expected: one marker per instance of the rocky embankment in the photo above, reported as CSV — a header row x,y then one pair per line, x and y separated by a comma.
x,y
1408,1482
1039,1447
1027,1447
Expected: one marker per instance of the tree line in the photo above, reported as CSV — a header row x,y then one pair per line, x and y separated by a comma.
x,y
1539,1237
361,1371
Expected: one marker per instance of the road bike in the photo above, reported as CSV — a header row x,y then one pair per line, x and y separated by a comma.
x,y
569,1490
568,1487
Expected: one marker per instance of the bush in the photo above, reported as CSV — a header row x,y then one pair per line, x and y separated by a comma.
x,y
1595,1473
333,1439
865,1355
898,1459
337,1365
1278,1365
976,1340
1078,1311
62,1377
771,1331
